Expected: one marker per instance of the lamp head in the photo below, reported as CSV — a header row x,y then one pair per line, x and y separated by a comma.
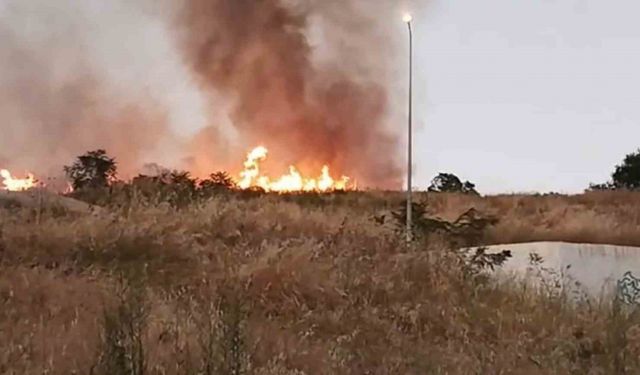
x,y
407,18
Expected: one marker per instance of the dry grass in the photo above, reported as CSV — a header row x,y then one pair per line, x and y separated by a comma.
x,y
595,217
299,285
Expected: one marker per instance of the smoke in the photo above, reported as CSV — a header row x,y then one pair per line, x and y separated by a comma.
x,y
306,110
196,84
73,78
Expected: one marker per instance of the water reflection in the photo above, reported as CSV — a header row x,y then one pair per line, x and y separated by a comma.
x,y
594,270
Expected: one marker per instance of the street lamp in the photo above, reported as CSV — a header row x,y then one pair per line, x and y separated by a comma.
x,y
407,19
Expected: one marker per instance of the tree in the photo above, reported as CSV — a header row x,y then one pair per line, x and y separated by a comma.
x,y
626,176
218,181
183,188
182,179
450,183
92,170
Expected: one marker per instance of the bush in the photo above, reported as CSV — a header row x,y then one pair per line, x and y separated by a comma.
x,y
450,183
467,230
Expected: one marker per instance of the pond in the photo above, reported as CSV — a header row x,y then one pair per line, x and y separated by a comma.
x,y
592,270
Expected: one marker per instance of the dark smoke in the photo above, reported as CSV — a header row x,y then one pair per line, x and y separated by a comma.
x,y
259,52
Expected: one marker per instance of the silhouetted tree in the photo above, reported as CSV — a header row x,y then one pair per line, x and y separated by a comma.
x,y
95,169
217,182
222,179
183,188
450,183
625,176
182,179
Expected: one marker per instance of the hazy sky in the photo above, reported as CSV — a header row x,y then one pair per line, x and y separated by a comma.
x,y
527,95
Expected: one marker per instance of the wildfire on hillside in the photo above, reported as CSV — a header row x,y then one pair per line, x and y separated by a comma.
x,y
10,183
294,181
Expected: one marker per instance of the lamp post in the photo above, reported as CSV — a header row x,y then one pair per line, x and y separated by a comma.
x,y
407,19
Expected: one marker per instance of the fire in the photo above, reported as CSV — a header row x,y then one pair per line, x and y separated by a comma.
x,y
69,189
291,182
11,183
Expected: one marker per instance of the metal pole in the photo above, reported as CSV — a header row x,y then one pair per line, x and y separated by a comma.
x,y
410,140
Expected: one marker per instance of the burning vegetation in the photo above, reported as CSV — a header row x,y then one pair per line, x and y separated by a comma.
x,y
10,183
95,170
251,177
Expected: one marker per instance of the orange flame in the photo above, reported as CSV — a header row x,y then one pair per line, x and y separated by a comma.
x,y
69,189
291,182
11,183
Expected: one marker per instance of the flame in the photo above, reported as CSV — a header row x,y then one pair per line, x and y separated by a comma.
x,y
69,189
291,182
11,183
251,170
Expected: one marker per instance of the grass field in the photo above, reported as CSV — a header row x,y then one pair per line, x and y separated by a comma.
x,y
300,285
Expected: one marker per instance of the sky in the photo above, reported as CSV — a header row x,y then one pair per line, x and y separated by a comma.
x,y
522,96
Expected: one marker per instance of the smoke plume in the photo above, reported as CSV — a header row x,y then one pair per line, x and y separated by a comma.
x,y
67,87
259,53
195,84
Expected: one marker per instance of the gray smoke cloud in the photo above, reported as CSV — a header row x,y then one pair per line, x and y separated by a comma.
x,y
78,75
195,84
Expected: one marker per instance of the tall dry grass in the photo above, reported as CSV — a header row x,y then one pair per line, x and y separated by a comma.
x,y
299,285
595,217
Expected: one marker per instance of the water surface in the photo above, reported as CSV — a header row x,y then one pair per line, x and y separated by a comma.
x,y
592,269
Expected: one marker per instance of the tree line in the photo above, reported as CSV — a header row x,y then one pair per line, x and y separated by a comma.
x,y
96,169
